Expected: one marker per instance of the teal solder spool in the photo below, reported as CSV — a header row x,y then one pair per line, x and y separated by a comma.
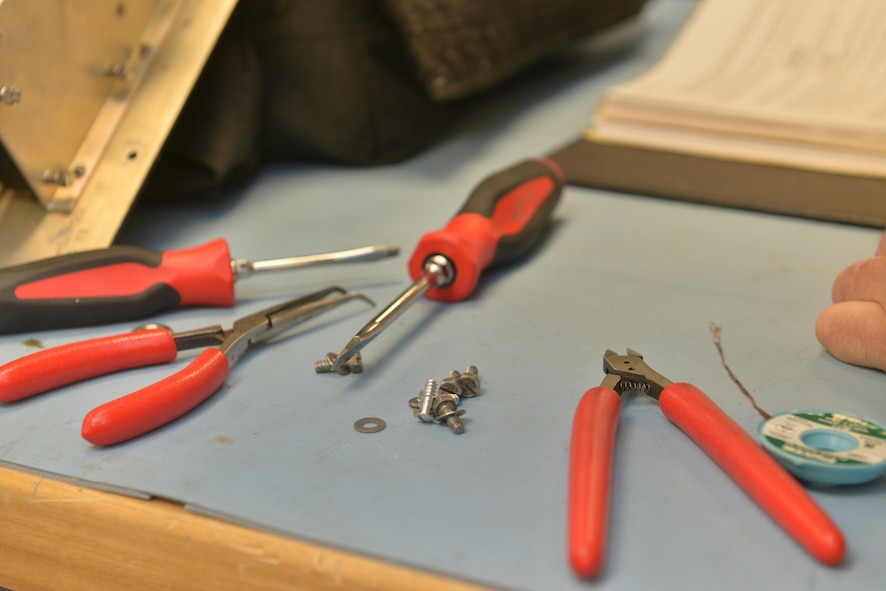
x,y
826,447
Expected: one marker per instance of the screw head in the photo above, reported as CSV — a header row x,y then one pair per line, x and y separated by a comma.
x,y
451,383
470,382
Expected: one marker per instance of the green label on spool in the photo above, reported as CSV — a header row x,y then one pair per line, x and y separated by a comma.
x,y
844,423
786,432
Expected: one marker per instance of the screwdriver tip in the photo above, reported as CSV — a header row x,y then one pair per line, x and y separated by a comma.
x,y
386,250
352,348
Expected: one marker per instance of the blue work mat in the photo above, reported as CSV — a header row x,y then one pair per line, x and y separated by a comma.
x,y
276,448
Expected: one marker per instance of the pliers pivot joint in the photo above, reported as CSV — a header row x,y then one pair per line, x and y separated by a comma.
x,y
630,372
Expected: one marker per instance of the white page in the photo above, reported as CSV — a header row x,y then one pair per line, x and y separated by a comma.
x,y
800,62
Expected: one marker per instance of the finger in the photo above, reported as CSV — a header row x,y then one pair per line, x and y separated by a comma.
x,y
854,332
864,280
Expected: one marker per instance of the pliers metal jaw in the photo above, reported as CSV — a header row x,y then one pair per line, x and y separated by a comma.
x,y
270,322
630,372
593,443
158,404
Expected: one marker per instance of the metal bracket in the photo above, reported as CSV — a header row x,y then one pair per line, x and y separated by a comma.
x,y
88,95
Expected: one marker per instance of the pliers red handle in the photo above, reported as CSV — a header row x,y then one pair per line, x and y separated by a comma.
x,y
593,443
158,404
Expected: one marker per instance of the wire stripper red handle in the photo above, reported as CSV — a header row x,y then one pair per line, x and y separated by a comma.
x,y
502,220
590,478
113,284
68,364
160,403
776,491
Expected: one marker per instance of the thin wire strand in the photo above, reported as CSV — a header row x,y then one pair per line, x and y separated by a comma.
x,y
715,330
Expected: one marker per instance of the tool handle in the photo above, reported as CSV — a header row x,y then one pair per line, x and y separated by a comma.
x,y
113,284
590,476
160,403
770,485
500,223
68,364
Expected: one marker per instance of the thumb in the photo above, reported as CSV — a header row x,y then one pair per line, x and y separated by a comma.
x,y
854,332
862,280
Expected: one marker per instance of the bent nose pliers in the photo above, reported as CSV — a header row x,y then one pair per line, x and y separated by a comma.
x,y
761,477
158,404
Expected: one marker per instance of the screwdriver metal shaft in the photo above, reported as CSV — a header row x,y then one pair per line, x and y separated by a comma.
x,y
244,268
504,217
126,283
438,272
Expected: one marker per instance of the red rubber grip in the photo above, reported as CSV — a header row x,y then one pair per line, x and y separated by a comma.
x,y
503,219
161,403
590,476
68,364
201,275
114,284
770,485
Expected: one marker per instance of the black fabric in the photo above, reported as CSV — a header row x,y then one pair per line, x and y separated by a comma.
x,y
464,46
353,82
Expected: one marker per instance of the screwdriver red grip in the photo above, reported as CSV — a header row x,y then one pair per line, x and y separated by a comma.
x,y
158,404
111,285
68,364
500,223
770,485
590,478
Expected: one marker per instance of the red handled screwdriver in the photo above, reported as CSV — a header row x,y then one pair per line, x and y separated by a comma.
x,y
126,283
501,222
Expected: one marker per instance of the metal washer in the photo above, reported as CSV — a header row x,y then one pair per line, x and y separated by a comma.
x,y
369,425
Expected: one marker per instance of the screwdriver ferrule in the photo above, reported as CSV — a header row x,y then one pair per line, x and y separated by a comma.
x,y
441,268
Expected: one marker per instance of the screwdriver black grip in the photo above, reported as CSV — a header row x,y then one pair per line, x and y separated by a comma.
x,y
112,284
502,220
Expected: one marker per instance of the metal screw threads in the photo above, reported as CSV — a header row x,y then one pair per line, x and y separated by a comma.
x,y
426,397
470,382
354,364
439,402
445,412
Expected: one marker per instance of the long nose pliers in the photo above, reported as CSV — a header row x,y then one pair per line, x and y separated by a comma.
x,y
761,477
158,404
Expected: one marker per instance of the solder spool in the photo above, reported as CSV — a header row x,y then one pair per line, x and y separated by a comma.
x,y
826,447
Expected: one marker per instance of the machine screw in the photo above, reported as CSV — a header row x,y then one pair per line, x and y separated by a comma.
x,y
114,70
451,384
11,95
445,411
63,178
470,382
426,402
354,364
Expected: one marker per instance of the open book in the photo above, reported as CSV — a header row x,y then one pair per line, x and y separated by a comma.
x,y
777,105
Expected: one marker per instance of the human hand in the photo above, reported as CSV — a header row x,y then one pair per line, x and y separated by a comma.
x,y
854,328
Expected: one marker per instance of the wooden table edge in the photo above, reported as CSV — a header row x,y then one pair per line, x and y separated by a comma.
x,y
59,536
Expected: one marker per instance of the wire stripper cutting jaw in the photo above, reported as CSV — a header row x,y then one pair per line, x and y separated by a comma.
x,y
630,372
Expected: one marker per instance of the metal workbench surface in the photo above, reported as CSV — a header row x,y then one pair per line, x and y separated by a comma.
x,y
276,449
